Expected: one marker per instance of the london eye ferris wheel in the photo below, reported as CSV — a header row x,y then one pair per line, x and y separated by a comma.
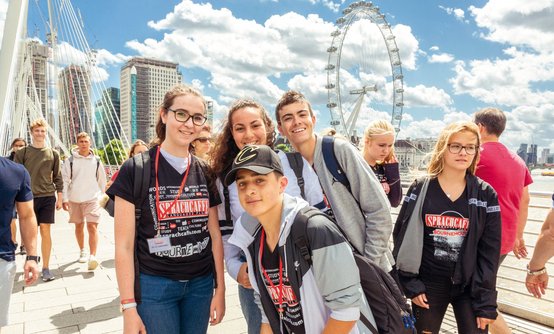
x,y
364,71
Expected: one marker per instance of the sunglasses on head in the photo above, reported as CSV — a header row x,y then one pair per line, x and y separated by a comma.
x,y
203,139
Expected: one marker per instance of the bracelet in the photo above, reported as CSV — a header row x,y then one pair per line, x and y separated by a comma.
x,y
127,301
127,306
536,272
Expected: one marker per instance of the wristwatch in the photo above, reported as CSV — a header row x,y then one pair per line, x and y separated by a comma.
x,y
127,306
32,258
536,272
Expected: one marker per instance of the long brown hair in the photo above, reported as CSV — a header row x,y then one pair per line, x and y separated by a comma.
x,y
225,149
436,165
169,97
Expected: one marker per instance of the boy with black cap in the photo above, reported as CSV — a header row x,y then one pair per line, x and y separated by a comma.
x,y
294,295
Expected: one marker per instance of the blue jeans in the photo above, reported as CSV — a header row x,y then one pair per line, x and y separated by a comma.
x,y
170,306
250,310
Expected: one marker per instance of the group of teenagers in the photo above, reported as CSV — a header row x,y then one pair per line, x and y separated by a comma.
x,y
238,208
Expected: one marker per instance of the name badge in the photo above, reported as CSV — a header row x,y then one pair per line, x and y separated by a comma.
x,y
159,244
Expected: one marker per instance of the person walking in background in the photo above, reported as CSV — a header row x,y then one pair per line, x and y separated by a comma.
x,y
203,144
536,281
15,187
361,210
249,123
138,147
43,164
378,152
177,242
447,237
17,144
506,172
84,179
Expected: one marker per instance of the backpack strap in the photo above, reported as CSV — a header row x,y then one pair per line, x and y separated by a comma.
x,y
297,164
328,150
70,167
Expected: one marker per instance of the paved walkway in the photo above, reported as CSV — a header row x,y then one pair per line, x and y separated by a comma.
x,y
79,301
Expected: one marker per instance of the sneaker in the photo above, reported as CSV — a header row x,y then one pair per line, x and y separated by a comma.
x,y
83,257
22,250
92,263
47,275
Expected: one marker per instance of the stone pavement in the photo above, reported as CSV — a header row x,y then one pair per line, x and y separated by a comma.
x,y
79,301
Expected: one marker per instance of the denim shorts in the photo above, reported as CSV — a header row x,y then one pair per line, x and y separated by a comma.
x,y
170,306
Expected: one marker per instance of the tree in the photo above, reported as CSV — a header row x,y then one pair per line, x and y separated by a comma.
x,y
114,153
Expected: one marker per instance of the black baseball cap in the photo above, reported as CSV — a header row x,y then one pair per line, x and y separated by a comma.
x,y
260,159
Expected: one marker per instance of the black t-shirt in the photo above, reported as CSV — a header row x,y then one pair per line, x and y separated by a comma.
x,y
379,171
293,321
186,224
445,229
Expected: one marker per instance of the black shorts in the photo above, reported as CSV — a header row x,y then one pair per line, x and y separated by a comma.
x,y
45,209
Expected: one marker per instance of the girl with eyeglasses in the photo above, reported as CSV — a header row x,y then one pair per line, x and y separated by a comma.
x,y
178,242
447,237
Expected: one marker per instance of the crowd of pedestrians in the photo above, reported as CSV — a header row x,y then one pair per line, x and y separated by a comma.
x,y
194,201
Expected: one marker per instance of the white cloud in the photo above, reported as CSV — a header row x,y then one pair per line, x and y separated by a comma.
x,y
423,96
458,13
106,58
441,58
428,128
512,82
332,5
196,83
510,21
434,48
250,59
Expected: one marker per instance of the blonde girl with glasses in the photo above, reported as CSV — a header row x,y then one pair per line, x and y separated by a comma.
x,y
178,247
447,237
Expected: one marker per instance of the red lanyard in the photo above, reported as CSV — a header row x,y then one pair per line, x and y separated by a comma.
x,y
262,243
162,215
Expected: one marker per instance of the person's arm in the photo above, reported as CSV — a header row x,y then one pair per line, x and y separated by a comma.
x,y
28,226
519,247
372,199
265,329
102,181
392,173
124,234
66,177
57,179
544,250
338,327
217,308
483,282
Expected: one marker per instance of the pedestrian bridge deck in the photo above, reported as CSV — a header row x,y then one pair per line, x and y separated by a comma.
x,y
79,301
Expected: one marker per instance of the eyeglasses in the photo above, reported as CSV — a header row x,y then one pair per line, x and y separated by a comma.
x,y
203,139
457,148
183,116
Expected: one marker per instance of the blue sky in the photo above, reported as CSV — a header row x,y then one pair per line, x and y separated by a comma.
x,y
458,56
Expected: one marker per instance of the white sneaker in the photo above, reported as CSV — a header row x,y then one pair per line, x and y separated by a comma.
x,y
92,263
83,257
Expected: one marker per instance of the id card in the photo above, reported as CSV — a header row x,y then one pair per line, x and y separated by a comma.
x,y
159,244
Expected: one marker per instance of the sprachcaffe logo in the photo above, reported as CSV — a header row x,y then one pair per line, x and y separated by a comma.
x,y
189,208
246,154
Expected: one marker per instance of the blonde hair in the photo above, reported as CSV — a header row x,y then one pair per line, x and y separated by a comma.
x,y
377,128
436,165
82,135
39,122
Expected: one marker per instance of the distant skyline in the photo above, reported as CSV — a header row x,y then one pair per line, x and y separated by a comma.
x,y
457,56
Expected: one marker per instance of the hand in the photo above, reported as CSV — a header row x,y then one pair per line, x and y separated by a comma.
x,y
537,284
132,323
386,187
483,322
520,251
421,301
59,203
392,159
243,278
65,206
30,272
217,308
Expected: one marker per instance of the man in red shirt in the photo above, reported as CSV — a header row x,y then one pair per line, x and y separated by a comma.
x,y
507,173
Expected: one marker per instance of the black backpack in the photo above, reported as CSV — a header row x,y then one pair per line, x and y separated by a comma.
x,y
389,307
